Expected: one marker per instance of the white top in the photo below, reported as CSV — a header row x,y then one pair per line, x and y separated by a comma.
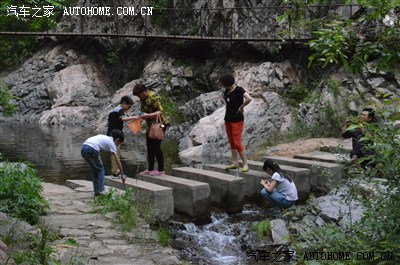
x,y
102,142
284,186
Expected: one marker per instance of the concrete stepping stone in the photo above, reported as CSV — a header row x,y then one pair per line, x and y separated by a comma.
x,y
253,178
323,175
159,197
191,197
325,157
300,175
227,191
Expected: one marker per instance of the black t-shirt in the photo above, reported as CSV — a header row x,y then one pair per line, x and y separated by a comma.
x,y
114,120
233,101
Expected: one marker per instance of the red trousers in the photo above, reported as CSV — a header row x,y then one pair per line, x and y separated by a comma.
x,y
234,132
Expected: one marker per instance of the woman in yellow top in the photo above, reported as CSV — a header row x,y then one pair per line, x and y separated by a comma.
x,y
150,108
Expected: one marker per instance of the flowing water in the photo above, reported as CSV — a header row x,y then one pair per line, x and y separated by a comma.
x,y
55,152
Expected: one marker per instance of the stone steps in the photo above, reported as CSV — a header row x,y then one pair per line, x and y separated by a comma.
x,y
160,198
325,157
190,197
192,191
301,177
322,175
227,191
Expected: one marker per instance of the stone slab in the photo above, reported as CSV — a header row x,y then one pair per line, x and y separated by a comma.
x,y
227,191
252,179
325,157
300,176
84,185
323,175
159,197
190,197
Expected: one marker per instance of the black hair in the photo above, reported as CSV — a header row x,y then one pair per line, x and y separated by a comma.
x,y
371,113
127,100
138,88
117,134
270,164
226,80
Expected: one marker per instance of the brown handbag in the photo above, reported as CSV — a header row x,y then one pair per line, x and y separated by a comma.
x,y
157,129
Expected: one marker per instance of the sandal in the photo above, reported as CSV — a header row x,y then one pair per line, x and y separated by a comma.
x,y
232,167
245,169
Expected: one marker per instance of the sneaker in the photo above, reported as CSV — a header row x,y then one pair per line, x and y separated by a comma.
x,y
232,167
145,172
100,194
156,173
116,176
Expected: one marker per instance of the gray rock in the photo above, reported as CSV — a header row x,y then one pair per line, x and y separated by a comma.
x,y
279,232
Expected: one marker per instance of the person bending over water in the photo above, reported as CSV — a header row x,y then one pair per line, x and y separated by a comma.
x,y
281,190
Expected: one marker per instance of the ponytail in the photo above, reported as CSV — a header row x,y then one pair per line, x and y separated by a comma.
x,y
270,164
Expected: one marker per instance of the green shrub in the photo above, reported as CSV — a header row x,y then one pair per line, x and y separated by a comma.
x,y
21,192
378,231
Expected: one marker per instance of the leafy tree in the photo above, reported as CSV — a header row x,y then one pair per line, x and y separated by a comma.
x,y
372,34
6,107
14,49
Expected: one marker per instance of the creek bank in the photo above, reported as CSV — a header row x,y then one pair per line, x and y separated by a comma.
x,y
96,239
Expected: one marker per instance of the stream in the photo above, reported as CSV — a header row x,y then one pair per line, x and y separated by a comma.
x,y
55,153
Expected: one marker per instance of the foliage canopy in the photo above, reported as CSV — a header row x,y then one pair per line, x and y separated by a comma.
x,y
370,34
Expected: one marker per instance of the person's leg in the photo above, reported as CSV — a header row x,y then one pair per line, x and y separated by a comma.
x,y
266,195
277,198
114,167
159,155
150,153
92,157
237,131
234,152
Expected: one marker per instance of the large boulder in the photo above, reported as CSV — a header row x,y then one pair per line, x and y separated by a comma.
x,y
264,117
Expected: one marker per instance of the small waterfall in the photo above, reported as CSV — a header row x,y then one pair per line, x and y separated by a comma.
x,y
223,241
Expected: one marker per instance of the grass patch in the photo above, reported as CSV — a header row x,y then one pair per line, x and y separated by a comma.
x,y
124,205
164,236
262,229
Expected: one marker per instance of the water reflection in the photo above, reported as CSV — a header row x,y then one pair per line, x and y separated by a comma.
x,y
55,151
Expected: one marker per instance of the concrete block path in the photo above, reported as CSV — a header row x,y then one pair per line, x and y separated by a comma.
x,y
190,197
255,175
325,157
323,175
160,197
227,192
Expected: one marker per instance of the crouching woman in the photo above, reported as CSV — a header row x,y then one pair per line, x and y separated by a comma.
x,y
281,191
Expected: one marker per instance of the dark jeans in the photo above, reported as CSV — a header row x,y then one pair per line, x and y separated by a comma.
x,y
92,157
277,198
154,152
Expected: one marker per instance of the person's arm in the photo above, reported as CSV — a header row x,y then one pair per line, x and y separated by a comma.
x,y
150,115
131,118
269,186
119,165
247,100
223,99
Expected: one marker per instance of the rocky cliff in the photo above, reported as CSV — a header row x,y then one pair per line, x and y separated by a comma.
x,y
79,80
